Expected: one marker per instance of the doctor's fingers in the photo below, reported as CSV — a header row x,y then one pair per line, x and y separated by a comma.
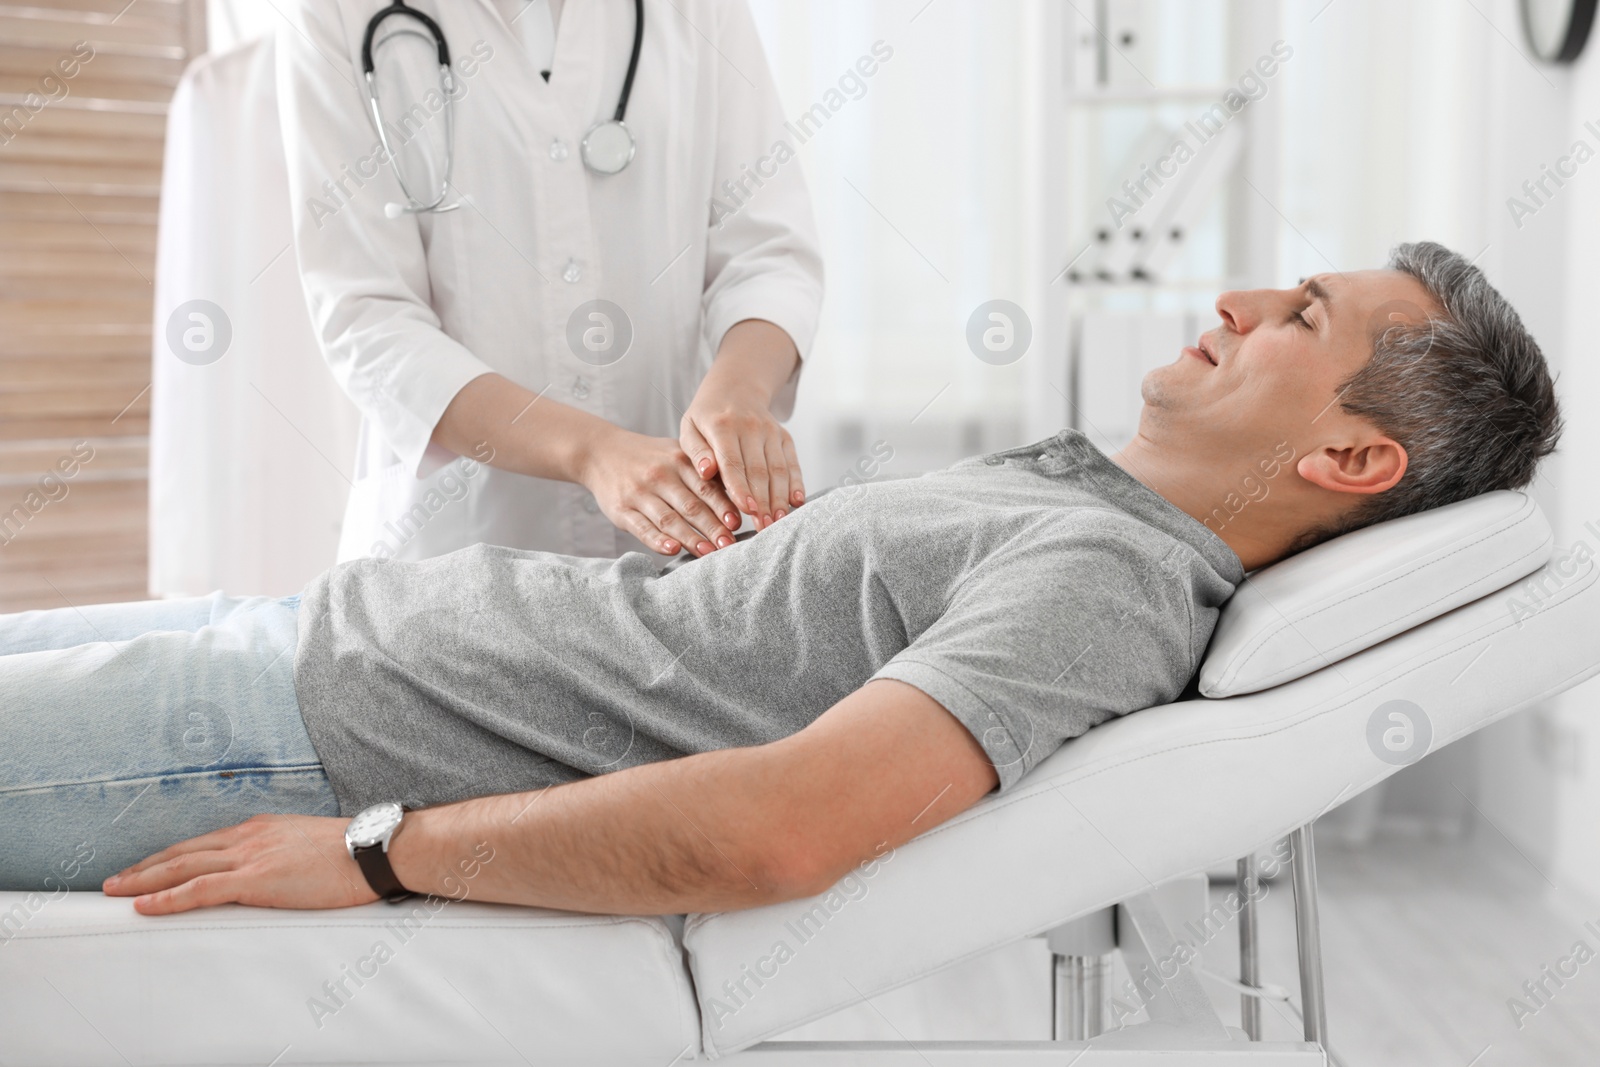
x,y
674,517
744,472
714,488
711,491
638,523
773,470
797,486
701,455
693,500
781,476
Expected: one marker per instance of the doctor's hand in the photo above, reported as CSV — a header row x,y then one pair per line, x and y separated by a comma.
x,y
267,861
730,431
647,486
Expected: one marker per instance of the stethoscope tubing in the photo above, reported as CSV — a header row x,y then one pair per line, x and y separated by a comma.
x,y
400,7
633,61
447,84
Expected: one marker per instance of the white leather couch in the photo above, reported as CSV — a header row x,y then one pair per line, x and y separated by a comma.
x,y
1462,614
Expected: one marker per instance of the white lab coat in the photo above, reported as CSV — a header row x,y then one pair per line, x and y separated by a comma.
x,y
410,310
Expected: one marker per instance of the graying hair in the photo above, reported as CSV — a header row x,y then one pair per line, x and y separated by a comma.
x,y
1467,394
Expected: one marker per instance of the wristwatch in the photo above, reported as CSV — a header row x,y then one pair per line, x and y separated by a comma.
x,y
367,837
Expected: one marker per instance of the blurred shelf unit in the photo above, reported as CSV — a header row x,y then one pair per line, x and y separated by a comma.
x,y
1169,165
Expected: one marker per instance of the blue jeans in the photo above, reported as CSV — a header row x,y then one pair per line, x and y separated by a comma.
x,y
127,727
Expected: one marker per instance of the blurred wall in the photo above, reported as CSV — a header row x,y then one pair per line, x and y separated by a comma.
x,y
1567,744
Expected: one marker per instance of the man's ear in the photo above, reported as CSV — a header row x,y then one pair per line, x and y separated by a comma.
x,y
1370,467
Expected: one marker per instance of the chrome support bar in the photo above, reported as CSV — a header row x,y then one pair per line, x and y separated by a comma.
x,y
1307,936
1249,883
1080,992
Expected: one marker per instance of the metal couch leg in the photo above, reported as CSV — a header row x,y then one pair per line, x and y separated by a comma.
x,y
1080,992
1249,947
1080,950
1307,935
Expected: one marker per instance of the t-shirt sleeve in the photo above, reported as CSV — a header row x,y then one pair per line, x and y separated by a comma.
x,y
1040,643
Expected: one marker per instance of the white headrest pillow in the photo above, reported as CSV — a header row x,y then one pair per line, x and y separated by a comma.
x,y
1348,594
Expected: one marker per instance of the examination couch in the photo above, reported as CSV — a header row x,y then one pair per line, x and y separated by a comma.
x,y
1327,673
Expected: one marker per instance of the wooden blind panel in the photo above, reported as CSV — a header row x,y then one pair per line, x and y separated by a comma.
x,y
139,29
172,11
79,181
110,68
90,91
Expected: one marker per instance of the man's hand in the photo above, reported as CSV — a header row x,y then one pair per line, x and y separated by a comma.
x,y
268,861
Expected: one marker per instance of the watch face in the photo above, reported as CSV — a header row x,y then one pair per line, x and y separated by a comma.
x,y
373,825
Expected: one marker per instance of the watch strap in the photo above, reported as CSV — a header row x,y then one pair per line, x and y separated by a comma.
x,y
374,863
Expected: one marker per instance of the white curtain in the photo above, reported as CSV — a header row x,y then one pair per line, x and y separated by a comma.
x,y
249,453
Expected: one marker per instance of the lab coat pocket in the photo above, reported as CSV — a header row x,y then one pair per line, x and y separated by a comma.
x,y
377,499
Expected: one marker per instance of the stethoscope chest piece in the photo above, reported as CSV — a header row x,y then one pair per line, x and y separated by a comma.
x,y
608,147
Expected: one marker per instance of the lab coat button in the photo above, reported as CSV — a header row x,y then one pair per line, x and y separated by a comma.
x,y
580,388
558,150
995,461
573,274
591,505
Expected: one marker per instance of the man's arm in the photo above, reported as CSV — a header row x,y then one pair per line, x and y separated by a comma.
x,y
715,831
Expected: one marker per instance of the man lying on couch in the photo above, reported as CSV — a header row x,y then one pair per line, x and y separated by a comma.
x,y
609,736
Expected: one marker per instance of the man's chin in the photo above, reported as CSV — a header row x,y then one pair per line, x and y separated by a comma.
x,y
1158,393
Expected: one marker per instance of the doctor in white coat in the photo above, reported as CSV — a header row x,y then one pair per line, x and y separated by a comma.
x,y
568,360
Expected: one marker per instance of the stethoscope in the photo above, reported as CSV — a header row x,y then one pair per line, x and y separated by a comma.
x,y
607,148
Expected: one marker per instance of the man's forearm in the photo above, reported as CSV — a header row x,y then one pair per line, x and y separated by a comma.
x,y
663,838
717,831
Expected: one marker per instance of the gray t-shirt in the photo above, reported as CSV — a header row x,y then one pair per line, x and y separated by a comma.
x,y
1033,592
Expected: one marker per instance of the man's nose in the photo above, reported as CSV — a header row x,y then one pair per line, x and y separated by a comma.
x,y
1242,310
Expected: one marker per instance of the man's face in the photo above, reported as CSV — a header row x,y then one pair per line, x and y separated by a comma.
x,y
1272,371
